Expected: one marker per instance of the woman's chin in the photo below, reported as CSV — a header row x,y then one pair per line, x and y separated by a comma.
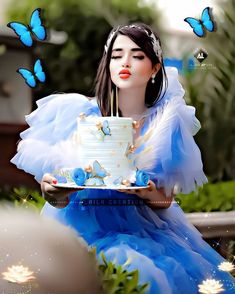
x,y
125,84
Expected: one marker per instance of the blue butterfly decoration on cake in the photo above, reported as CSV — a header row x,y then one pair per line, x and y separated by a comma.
x,y
97,175
200,25
106,129
103,130
31,78
25,32
130,150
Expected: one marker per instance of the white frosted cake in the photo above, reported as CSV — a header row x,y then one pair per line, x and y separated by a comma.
x,y
106,153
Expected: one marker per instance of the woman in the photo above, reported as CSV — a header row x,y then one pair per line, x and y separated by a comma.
x,y
154,238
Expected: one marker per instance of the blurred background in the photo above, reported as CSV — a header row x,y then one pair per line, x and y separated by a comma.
x,y
77,31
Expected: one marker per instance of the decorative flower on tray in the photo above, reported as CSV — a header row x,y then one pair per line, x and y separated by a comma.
x,y
137,178
142,178
61,179
89,176
62,175
79,176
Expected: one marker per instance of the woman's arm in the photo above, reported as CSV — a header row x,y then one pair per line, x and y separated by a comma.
x,y
57,197
153,197
156,198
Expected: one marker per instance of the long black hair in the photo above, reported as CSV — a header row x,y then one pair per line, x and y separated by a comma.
x,y
103,84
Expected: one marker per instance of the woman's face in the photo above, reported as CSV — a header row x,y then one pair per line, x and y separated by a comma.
x,y
129,66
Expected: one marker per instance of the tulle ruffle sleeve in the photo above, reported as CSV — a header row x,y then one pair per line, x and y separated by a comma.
x,y
167,150
50,125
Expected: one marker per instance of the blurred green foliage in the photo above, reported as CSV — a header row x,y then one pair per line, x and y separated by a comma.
x,y
71,67
116,280
211,90
211,197
22,196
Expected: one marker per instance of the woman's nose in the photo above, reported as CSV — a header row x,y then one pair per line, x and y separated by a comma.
x,y
126,65
126,62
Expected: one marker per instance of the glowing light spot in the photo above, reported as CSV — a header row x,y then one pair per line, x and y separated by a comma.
x,y
226,266
210,286
18,274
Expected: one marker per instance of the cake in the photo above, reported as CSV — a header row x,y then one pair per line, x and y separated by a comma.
x,y
106,153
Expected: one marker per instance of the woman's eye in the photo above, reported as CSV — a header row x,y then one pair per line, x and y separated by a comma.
x,y
139,57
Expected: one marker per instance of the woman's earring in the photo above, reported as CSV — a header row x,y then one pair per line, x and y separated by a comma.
x,y
153,79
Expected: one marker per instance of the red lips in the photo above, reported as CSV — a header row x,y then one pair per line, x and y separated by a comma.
x,y
125,71
124,74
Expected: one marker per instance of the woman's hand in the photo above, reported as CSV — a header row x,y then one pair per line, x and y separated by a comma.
x,y
155,198
57,197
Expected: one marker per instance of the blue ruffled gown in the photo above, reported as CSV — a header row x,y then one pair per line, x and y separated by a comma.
x,y
168,251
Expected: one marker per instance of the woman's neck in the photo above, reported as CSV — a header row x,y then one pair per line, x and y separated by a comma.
x,y
132,102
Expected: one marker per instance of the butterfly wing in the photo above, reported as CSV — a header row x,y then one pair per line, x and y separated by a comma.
x,y
94,182
106,128
22,32
127,152
98,134
98,182
195,25
98,170
36,25
28,77
118,181
38,71
206,20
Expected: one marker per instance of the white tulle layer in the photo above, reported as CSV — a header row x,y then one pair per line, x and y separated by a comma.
x,y
45,145
174,160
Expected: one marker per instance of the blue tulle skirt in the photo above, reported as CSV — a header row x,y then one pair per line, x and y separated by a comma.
x,y
168,251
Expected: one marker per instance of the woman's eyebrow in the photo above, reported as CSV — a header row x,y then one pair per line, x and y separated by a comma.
x,y
132,49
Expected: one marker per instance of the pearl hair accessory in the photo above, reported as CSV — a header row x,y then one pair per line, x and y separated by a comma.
x,y
106,46
156,44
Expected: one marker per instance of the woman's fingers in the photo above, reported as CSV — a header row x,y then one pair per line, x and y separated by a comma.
x,y
48,188
128,191
151,186
48,178
57,191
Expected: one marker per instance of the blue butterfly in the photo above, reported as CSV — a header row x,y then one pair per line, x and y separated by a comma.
x,y
35,27
98,171
199,25
31,78
118,181
105,128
